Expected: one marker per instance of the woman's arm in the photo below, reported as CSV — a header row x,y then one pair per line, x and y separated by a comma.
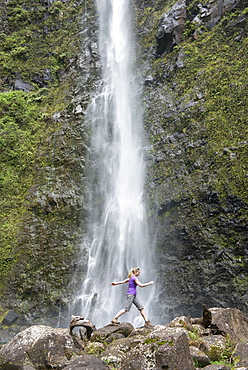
x,y
120,282
143,285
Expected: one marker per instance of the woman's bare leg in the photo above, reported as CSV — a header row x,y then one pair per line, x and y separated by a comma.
x,y
143,314
121,312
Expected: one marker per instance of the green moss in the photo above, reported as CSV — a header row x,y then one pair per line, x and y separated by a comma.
x,y
20,128
150,340
162,342
38,38
213,80
35,264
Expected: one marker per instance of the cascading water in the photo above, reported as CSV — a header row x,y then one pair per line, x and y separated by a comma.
x,y
117,235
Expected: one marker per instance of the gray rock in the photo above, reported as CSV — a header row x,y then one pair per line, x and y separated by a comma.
x,y
199,356
232,322
113,357
241,352
214,346
217,367
38,347
174,353
181,322
171,28
102,334
10,318
20,84
87,362
210,13
149,80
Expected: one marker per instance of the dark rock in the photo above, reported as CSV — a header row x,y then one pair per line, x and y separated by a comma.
x,y
209,14
175,353
206,317
42,79
114,337
87,362
10,318
81,321
102,334
149,80
199,356
180,60
170,28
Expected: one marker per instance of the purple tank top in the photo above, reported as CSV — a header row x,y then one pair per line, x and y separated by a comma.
x,y
132,285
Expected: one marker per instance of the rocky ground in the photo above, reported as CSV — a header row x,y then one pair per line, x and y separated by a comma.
x,y
216,341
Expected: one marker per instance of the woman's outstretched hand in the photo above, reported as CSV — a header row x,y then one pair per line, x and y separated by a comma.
x,y
151,282
113,283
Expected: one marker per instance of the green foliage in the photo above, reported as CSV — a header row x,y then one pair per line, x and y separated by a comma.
x,y
38,38
218,64
95,348
150,340
20,120
224,356
214,82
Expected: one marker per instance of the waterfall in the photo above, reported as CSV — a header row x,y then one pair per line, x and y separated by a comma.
x,y
117,237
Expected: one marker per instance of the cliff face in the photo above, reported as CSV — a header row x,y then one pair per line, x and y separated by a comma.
x,y
195,100
48,72
193,57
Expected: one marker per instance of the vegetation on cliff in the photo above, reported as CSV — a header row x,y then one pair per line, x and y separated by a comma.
x,y
195,101
40,149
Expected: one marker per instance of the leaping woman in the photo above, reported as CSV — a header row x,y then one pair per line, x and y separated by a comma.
x,y
133,281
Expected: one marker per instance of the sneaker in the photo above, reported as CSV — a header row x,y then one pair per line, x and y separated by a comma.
x,y
148,323
115,321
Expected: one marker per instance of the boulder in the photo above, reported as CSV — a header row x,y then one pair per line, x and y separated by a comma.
x,y
81,321
142,356
10,318
118,351
175,353
114,336
231,321
38,346
142,331
87,362
217,367
124,344
94,348
183,322
171,28
241,353
214,345
113,357
102,334
210,13
199,357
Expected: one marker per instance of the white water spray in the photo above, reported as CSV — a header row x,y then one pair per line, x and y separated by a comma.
x,y
117,232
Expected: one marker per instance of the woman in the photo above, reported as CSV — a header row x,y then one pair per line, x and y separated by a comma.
x,y
131,295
